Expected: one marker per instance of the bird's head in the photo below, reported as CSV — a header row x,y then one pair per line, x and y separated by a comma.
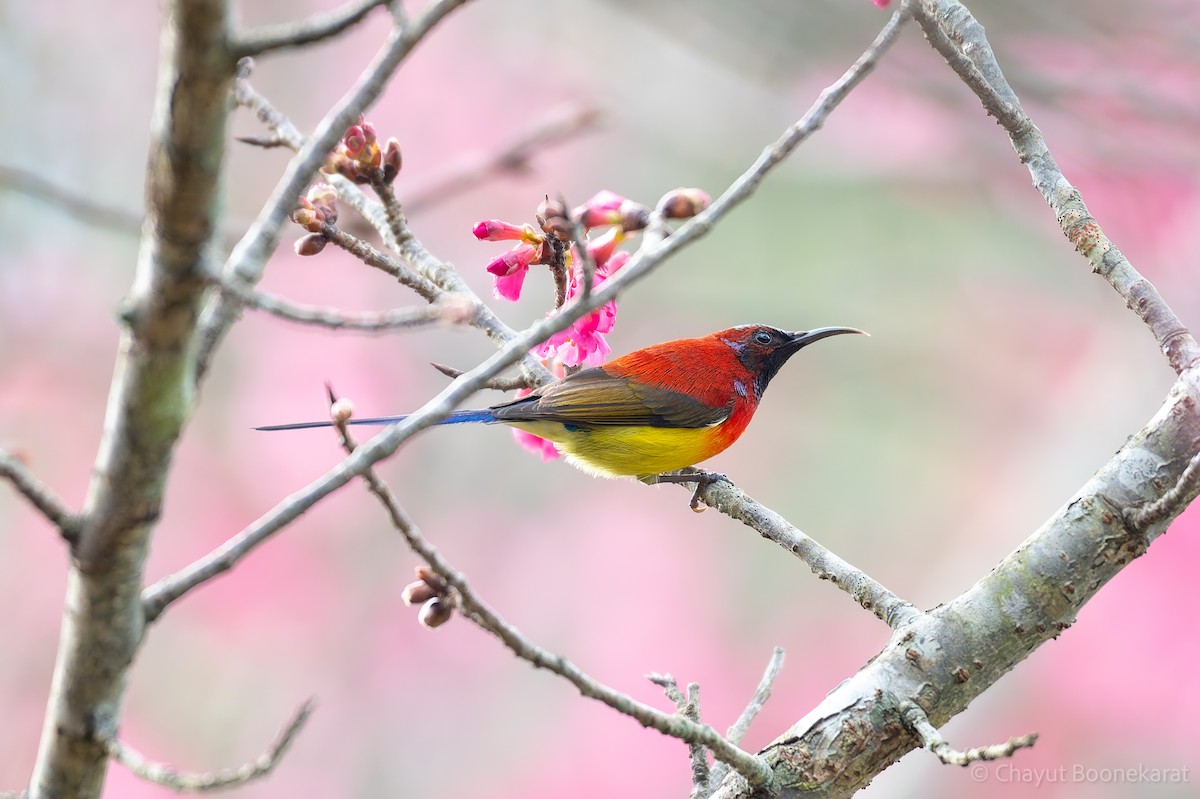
x,y
763,350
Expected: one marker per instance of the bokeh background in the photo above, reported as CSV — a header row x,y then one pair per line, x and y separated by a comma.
x,y
999,376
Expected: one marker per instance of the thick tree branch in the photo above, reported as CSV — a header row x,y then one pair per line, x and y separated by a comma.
x,y
151,397
299,34
954,32
40,496
945,658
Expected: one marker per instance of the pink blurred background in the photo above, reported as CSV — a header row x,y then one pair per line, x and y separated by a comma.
x,y
1000,374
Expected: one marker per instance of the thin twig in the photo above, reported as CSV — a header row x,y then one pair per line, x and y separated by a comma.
x,y
688,707
249,257
863,589
555,127
40,495
587,263
170,777
381,261
275,120
157,597
334,319
496,384
761,694
916,720
1159,509
473,607
299,34
78,205
954,32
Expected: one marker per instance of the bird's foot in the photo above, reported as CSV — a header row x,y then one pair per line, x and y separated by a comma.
x,y
701,478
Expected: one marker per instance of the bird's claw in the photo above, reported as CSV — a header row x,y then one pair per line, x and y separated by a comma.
x,y
702,480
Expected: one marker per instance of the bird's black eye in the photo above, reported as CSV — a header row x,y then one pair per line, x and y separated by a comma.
x,y
762,337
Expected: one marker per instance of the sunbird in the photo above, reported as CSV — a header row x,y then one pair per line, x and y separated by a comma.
x,y
652,411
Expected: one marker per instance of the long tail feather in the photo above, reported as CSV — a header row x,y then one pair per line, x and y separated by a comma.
x,y
457,417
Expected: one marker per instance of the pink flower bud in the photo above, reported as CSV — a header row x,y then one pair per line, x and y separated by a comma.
x,y
354,140
323,199
496,230
308,217
603,247
513,261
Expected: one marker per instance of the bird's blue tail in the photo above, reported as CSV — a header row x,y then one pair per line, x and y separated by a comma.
x,y
456,417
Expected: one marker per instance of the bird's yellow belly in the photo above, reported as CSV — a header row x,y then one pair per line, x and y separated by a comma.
x,y
616,450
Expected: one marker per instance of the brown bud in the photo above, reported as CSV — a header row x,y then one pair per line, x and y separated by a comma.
x,y
391,160
417,593
554,220
435,580
684,203
311,244
435,612
634,216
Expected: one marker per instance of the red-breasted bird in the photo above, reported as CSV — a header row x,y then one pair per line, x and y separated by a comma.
x,y
652,411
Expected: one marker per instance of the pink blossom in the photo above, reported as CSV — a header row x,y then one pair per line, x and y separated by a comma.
x,y
496,230
609,267
536,444
510,270
881,3
603,247
583,343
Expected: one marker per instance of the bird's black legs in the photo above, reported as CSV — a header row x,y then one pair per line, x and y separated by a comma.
x,y
701,478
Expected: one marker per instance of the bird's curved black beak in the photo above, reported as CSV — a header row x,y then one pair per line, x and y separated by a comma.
x,y
802,338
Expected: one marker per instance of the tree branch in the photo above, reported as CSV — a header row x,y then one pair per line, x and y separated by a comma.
x,y
299,34
157,597
250,255
761,694
182,782
945,658
151,397
954,32
916,720
80,206
335,319
40,496
868,593
556,127
471,605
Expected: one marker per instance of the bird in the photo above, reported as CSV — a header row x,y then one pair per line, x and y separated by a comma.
x,y
653,411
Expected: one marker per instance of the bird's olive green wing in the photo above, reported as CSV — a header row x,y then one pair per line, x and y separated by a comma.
x,y
593,397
